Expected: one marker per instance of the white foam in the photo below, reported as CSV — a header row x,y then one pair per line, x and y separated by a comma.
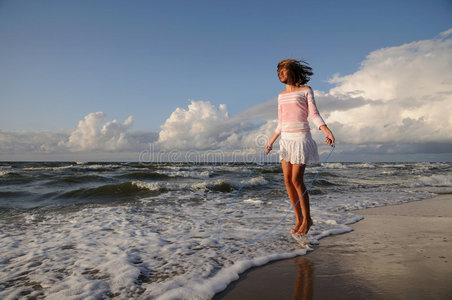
x,y
100,251
94,167
258,180
193,174
157,185
77,165
389,172
206,289
208,184
434,180
335,166
362,165
253,201
393,165
152,186
104,251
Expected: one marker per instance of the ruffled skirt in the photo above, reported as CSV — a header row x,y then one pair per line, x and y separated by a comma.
x,y
298,148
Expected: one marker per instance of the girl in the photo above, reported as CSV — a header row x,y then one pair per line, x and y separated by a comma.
x,y
296,145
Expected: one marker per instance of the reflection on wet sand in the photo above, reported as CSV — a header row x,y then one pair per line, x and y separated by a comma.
x,y
274,281
303,288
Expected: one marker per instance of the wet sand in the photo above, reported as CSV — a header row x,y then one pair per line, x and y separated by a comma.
x,y
396,252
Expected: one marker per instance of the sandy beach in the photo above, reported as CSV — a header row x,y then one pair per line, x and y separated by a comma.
x,y
396,252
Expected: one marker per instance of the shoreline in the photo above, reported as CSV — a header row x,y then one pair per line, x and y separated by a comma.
x,y
401,251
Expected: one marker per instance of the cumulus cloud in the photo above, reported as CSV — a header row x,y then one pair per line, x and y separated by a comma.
x,y
405,91
93,133
203,126
406,71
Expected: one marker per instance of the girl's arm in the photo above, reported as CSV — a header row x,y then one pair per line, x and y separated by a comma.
x,y
276,134
271,141
317,119
313,111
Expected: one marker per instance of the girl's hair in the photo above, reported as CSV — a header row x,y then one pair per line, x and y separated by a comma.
x,y
299,71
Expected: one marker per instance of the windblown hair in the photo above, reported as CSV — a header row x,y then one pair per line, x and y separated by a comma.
x,y
299,71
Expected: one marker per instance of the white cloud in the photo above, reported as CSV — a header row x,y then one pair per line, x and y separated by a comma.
x,y
93,133
445,33
204,127
406,93
401,72
30,141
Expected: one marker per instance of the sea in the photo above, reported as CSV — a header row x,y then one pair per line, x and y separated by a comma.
x,y
90,230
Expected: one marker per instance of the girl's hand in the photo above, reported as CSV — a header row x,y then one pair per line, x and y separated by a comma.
x,y
329,141
268,148
328,134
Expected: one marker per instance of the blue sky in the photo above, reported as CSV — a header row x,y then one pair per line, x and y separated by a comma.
x,y
62,60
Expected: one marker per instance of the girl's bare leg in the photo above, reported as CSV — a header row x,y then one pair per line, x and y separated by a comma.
x,y
293,194
298,184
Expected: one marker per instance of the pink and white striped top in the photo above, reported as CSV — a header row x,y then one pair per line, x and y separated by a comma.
x,y
293,111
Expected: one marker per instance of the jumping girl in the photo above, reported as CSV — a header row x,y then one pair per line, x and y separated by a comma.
x,y
297,148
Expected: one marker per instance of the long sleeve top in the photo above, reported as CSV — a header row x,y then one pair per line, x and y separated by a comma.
x,y
293,111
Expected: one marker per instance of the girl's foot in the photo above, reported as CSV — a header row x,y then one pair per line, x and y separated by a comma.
x,y
295,228
305,227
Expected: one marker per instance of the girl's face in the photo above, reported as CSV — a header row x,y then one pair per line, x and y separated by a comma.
x,y
282,75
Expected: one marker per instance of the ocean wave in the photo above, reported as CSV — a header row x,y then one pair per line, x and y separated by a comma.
x,y
121,191
222,186
143,175
13,194
186,174
254,181
271,170
338,165
11,174
430,166
434,180
390,172
96,168
393,165
47,168
365,165
71,179
225,186
14,178
153,186
335,166
176,186
218,185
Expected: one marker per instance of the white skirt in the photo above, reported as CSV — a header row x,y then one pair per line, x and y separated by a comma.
x,y
298,148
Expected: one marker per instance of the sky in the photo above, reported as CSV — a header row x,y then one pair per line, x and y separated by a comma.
x,y
108,80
